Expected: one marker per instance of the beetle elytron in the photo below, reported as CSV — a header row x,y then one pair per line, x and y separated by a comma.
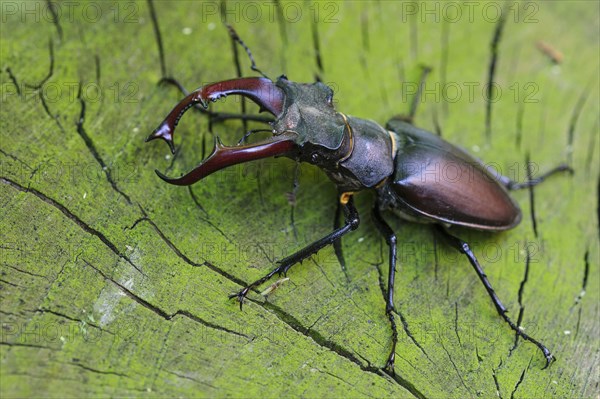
x,y
358,155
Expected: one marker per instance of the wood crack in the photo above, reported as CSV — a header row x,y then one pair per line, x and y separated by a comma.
x,y
492,72
97,371
24,345
531,196
65,316
184,257
586,272
458,373
13,79
336,348
159,311
399,314
512,394
83,225
37,87
456,324
495,377
55,19
187,377
92,148
21,270
520,296
205,219
573,124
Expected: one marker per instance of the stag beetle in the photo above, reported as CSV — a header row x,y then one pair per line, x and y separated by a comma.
x,y
358,154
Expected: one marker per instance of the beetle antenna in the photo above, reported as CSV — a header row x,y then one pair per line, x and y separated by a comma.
x,y
235,37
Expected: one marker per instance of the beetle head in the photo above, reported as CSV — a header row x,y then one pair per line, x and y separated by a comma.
x,y
308,112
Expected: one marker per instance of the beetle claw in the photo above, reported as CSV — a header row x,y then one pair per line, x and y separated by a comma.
x,y
389,366
165,132
549,359
223,156
162,176
266,94
240,296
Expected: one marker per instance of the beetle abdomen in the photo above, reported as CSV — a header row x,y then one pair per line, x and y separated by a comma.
x,y
439,181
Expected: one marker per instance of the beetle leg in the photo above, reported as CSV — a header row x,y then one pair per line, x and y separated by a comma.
x,y
291,197
352,222
515,185
425,70
337,244
463,247
390,239
249,132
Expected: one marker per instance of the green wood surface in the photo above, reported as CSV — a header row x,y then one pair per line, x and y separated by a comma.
x,y
114,283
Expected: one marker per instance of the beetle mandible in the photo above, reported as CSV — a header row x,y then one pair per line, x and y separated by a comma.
x,y
357,155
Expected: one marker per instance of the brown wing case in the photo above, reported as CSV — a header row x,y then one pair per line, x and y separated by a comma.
x,y
442,182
